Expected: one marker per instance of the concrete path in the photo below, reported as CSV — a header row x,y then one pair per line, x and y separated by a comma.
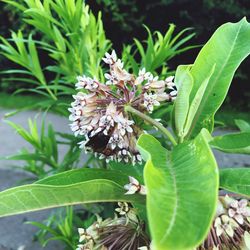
x,y
13,233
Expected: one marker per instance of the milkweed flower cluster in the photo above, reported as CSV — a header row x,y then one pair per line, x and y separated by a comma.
x,y
124,231
231,227
98,111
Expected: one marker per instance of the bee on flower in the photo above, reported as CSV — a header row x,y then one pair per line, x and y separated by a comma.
x,y
98,111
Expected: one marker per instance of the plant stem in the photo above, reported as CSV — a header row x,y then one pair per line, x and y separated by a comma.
x,y
153,122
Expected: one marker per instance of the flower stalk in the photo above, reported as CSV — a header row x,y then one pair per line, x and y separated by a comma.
x,y
152,122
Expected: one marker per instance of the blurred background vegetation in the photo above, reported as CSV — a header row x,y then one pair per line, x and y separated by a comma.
x,y
205,16
123,21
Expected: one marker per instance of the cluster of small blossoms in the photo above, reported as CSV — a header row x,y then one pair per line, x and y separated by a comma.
x,y
124,231
231,227
98,112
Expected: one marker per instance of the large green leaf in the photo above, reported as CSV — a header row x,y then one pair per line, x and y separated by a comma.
x,y
68,188
182,192
232,143
227,48
236,180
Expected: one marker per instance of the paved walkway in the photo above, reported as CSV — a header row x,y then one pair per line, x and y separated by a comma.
x,y
13,233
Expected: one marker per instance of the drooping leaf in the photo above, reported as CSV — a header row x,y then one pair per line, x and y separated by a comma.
x,y
68,188
236,180
232,143
182,189
227,48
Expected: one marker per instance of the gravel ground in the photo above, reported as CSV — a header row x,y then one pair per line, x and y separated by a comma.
x,y
14,235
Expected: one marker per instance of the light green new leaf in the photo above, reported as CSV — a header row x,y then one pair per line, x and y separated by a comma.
x,y
184,83
236,180
227,48
194,106
232,143
182,189
68,188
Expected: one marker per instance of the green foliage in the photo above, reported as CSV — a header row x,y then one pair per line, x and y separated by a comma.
x,y
44,158
20,102
59,226
175,200
236,180
27,57
73,38
72,43
158,50
232,143
68,188
62,224
226,50
181,181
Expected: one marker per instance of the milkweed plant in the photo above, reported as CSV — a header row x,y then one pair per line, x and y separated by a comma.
x,y
169,191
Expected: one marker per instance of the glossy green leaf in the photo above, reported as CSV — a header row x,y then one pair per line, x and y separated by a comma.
x,y
236,180
68,188
232,143
182,189
227,48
